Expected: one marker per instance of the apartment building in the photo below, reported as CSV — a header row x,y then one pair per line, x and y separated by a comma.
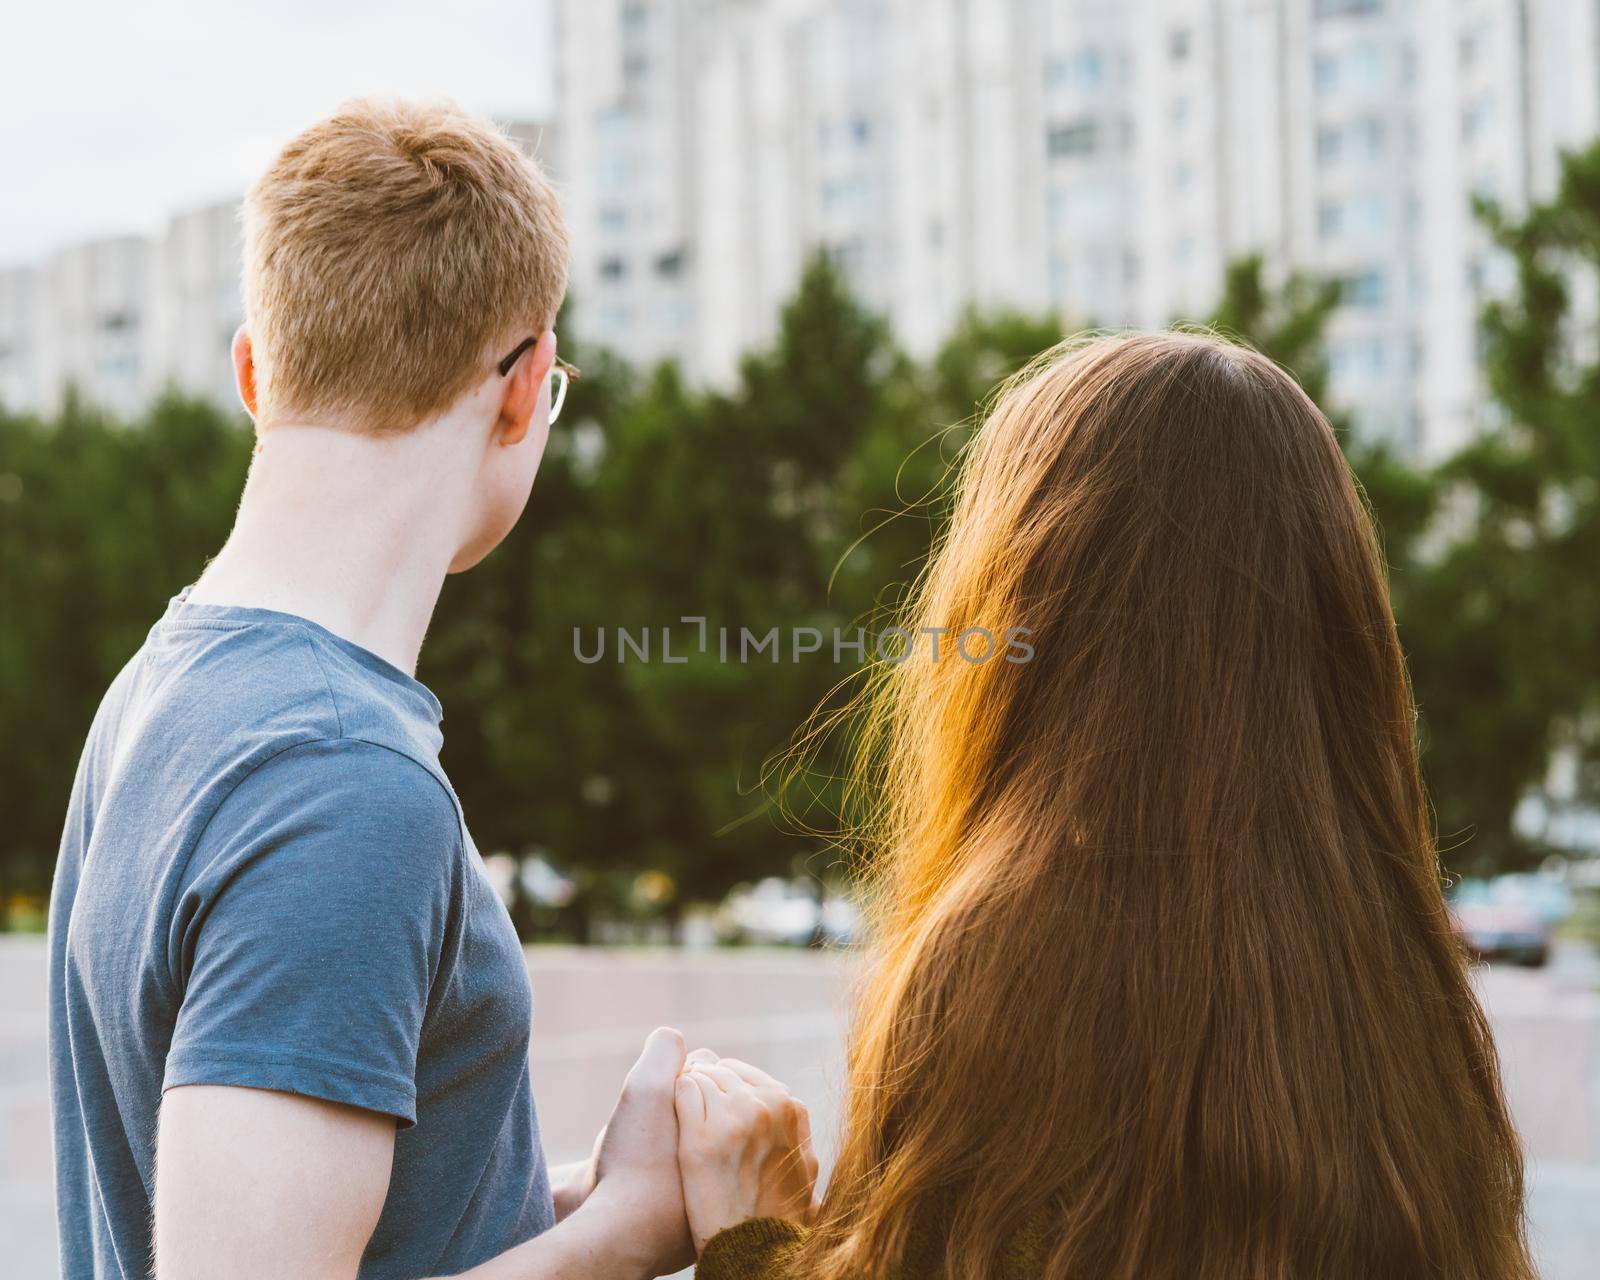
x,y
92,325
626,168
196,303
1103,158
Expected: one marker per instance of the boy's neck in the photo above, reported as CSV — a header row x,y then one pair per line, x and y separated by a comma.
x,y
354,532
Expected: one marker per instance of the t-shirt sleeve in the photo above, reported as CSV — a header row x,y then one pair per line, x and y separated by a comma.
x,y
308,937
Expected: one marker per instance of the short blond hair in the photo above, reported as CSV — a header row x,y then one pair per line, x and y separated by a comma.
x,y
389,252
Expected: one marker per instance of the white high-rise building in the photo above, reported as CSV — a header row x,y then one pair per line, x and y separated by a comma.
x,y
1103,158
197,302
626,168
19,337
94,326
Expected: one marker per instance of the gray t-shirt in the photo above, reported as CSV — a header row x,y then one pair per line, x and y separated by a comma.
x,y
265,880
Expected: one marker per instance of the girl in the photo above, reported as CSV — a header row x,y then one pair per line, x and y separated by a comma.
x,y
1163,985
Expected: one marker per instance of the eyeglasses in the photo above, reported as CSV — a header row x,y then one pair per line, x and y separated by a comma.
x,y
561,375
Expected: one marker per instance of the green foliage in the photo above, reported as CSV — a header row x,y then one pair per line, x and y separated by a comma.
x,y
1286,323
1494,553
808,494
1507,646
99,525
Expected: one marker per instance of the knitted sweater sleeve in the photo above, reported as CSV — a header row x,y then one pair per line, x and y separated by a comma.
x,y
756,1249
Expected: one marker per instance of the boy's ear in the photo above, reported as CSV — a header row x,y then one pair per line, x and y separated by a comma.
x,y
244,369
525,383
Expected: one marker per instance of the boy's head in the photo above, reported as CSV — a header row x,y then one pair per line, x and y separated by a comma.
x,y
393,252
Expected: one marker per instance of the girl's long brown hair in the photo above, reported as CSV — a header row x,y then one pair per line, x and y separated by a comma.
x,y
1162,961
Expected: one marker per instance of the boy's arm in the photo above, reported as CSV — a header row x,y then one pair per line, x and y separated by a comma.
x,y
570,1185
256,1184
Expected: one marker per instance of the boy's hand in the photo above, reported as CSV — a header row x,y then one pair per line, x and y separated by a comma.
x,y
635,1163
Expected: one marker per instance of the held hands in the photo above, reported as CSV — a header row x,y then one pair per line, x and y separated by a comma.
x,y
633,1175
744,1146
692,1147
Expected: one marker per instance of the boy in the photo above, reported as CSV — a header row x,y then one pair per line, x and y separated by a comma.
x,y
289,1018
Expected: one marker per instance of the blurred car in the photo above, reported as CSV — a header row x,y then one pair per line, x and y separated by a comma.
x,y
788,911
1498,921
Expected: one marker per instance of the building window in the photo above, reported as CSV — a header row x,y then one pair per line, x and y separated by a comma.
x,y
849,256
1058,209
613,269
1330,219
1329,144
1364,289
670,264
672,314
1411,438
1369,215
118,368
1367,67
1371,132
850,196
613,219
1363,138
1060,277
1347,8
1080,138
614,170
1356,358
1476,118
1178,43
1360,68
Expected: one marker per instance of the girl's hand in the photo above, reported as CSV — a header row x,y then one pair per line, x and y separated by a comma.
x,y
744,1146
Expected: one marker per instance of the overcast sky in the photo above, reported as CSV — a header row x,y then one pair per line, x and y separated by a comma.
x,y
113,116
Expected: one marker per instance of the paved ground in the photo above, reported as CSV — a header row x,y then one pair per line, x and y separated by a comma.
x,y
784,1010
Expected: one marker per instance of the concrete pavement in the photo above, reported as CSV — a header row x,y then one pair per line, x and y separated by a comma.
x,y
785,1011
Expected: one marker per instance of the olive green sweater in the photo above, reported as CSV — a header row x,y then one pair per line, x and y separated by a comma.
x,y
757,1249
764,1249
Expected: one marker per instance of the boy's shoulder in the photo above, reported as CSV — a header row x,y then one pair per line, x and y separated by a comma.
x,y
207,703
268,684
220,735
234,678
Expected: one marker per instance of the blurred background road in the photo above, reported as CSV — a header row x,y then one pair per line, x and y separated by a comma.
x,y
785,1010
